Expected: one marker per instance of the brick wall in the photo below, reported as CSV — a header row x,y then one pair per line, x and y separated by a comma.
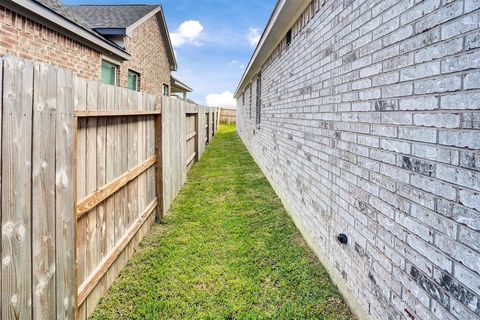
x,y
370,127
25,38
149,57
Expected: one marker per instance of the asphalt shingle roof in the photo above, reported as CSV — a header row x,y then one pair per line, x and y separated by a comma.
x,y
62,10
105,16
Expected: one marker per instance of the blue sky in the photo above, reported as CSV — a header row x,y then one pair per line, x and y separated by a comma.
x,y
215,44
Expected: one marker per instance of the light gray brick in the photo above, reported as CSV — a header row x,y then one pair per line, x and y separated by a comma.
x,y
418,134
371,70
466,139
444,14
435,153
434,186
462,62
468,278
459,213
397,90
472,41
395,146
459,252
420,71
469,199
471,5
419,103
438,120
472,80
452,83
461,101
469,238
462,25
428,251
423,8
439,51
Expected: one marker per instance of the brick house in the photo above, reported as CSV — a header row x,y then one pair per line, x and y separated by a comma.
x,y
364,115
126,45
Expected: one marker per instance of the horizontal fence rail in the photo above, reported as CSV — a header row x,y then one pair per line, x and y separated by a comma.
x,y
86,169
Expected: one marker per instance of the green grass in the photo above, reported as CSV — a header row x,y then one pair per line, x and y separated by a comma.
x,y
226,250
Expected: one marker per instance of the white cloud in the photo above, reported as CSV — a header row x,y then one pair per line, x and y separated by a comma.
x,y
253,36
224,99
187,33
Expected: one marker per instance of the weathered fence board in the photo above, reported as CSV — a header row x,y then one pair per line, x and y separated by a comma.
x,y
65,197
16,189
43,195
180,121
227,116
96,163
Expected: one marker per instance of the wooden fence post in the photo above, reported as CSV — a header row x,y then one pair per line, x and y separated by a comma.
x,y
197,137
159,166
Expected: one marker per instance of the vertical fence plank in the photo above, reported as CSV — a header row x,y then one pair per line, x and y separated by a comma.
x,y
123,105
92,245
110,171
132,188
65,197
159,170
43,195
80,103
141,154
1,178
16,189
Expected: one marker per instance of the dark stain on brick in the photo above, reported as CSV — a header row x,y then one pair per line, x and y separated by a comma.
x,y
350,57
460,293
372,278
430,287
306,90
366,209
361,252
418,166
385,105
409,314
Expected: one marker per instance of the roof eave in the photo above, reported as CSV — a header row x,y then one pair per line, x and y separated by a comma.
x,y
180,85
283,17
36,11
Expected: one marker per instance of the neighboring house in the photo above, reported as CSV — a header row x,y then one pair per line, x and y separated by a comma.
x,y
364,116
125,45
178,87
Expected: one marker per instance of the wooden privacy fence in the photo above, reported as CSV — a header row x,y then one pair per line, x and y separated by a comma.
x,y
85,168
228,116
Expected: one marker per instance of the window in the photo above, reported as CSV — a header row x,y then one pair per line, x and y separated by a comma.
x,y
250,101
109,73
288,37
259,100
243,98
133,81
166,90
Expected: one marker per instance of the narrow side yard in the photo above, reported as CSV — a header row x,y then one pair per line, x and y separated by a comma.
x,y
226,250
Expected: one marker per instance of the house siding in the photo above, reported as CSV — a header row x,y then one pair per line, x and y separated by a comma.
x,y
23,37
370,127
